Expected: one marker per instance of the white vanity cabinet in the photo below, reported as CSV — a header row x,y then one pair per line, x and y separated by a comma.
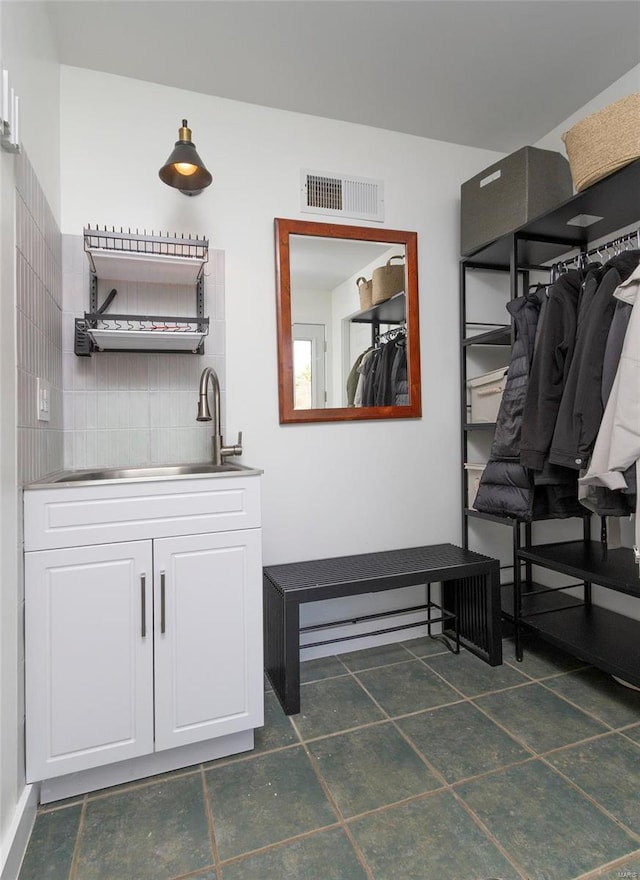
x,y
143,649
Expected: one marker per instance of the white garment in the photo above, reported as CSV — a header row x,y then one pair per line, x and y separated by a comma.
x,y
357,400
617,446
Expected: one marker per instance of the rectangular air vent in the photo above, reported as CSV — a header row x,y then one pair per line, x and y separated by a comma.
x,y
342,195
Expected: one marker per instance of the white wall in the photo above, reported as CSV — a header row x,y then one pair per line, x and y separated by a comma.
x,y
321,482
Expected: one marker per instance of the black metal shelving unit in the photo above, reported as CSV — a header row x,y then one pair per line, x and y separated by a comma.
x,y
608,640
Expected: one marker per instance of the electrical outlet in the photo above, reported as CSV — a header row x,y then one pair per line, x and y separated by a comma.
x,y
43,400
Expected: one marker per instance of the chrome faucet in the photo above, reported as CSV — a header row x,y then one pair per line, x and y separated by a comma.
x,y
219,450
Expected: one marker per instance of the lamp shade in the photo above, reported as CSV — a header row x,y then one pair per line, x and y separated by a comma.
x,y
184,169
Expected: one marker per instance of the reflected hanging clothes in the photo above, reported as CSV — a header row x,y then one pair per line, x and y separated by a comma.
x,y
399,377
353,378
363,370
384,391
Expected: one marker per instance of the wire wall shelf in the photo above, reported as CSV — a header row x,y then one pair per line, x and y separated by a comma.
x,y
161,259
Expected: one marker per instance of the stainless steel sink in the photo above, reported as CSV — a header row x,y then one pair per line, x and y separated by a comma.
x,y
156,472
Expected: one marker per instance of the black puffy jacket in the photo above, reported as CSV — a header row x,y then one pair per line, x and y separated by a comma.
x,y
550,367
506,487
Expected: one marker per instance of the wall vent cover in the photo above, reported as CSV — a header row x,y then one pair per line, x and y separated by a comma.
x,y
342,196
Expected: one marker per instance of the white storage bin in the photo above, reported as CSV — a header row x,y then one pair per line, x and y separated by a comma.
x,y
485,394
474,475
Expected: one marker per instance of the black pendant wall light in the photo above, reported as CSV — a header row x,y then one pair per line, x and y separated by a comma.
x,y
184,168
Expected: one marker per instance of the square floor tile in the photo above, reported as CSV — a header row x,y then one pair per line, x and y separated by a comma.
x,y
145,780
153,832
600,695
204,875
544,824
369,658
407,687
608,770
539,718
540,659
333,705
277,731
432,838
424,646
460,741
327,855
473,676
629,870
51,845
63,802
370,768
633,732
322,667
265,800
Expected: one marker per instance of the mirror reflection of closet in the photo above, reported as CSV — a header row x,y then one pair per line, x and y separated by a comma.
x,y
326,319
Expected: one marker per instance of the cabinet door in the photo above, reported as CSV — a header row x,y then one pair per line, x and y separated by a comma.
x,y
89,657
208,636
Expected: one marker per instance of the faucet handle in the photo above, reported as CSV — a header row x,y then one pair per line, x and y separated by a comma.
x,y
233,450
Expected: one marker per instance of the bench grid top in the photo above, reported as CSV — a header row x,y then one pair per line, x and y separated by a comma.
x,y
383,566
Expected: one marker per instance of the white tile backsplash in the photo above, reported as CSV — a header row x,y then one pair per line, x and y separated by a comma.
x,y
136,408
39,326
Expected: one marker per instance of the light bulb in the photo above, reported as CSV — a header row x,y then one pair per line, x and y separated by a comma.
x,y
185,168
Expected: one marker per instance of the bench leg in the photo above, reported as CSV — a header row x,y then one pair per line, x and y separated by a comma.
x,y
282,647
476,600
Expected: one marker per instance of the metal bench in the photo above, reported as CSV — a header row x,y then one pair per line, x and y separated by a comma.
x,y
469,608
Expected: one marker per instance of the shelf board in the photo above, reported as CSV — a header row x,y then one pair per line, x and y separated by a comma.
x,y
479,426
511,521
538,600
590,561
391,311
608,198
499,336
478,514
145,340
596,635
152,268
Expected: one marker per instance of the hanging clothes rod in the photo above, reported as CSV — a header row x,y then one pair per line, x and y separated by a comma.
x,y
628,238
582,258
392,333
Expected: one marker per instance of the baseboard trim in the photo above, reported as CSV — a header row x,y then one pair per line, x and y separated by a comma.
x,y
14,844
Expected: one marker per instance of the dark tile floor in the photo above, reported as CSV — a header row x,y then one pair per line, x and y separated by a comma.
x,y
406,763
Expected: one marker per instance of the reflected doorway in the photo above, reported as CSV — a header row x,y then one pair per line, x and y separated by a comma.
x,y
309,368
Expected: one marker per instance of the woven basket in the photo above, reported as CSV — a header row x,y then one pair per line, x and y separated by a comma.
x,y
388,280
365,293
604,141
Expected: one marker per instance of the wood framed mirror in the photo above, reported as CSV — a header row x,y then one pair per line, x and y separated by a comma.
x,y
348,330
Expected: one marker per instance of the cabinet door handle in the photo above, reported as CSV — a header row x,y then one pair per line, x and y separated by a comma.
x,y
163,620
143,605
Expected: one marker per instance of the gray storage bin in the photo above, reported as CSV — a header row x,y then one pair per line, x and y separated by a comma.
x,y
510,193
